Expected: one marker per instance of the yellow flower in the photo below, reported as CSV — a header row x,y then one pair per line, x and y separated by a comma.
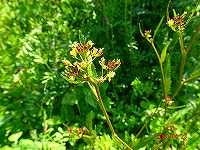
x,y
110,75
97,52
67,63
147,33
171,24
102,63
73,52
113,64
90,44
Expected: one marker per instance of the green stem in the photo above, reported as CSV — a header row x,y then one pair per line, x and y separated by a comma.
x,y
161,69
177,90
183,57
165,92
94,87
183,82
140,131
192,78
182,64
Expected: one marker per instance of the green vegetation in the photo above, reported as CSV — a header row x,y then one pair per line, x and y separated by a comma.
x,y
58,91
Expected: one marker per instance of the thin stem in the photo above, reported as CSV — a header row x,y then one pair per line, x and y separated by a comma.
x,y
182,65
177,90
140,131
183,82
177,107
100,102
103,109
156,51
183,57
161,69
192,78
163,81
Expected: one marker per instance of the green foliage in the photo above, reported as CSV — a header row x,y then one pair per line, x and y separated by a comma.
x,y
37,105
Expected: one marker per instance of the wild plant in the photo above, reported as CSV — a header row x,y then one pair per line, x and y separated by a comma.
x,y
171,88
83,70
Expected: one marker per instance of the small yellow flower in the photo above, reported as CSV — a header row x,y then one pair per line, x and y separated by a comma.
x,y
82,65
82,69
177,23
97,52
73,52
102,63
113,64
110,75
74,45
171,24
94,52
147,34
67,63
100,52
90,44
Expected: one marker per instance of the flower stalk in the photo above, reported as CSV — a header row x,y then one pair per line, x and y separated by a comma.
x,y
95,88
83,71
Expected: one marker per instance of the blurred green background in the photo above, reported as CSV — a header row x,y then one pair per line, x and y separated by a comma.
x,y
37,106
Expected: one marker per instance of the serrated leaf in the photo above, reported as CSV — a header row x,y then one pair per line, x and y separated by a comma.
x,y
14,137
164,52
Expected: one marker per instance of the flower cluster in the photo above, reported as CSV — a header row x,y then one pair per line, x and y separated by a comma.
x,y
73,132
83,68
177,23
147,35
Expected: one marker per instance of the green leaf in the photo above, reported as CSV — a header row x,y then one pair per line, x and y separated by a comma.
x,y
54,121
164,52
174,12
14,137
71,98
90,98
158,27
89,120
167,70
196,72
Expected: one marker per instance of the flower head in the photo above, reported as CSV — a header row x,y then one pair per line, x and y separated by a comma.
x,y
79,48
113,64
177,23
147,34
83,68
168,100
